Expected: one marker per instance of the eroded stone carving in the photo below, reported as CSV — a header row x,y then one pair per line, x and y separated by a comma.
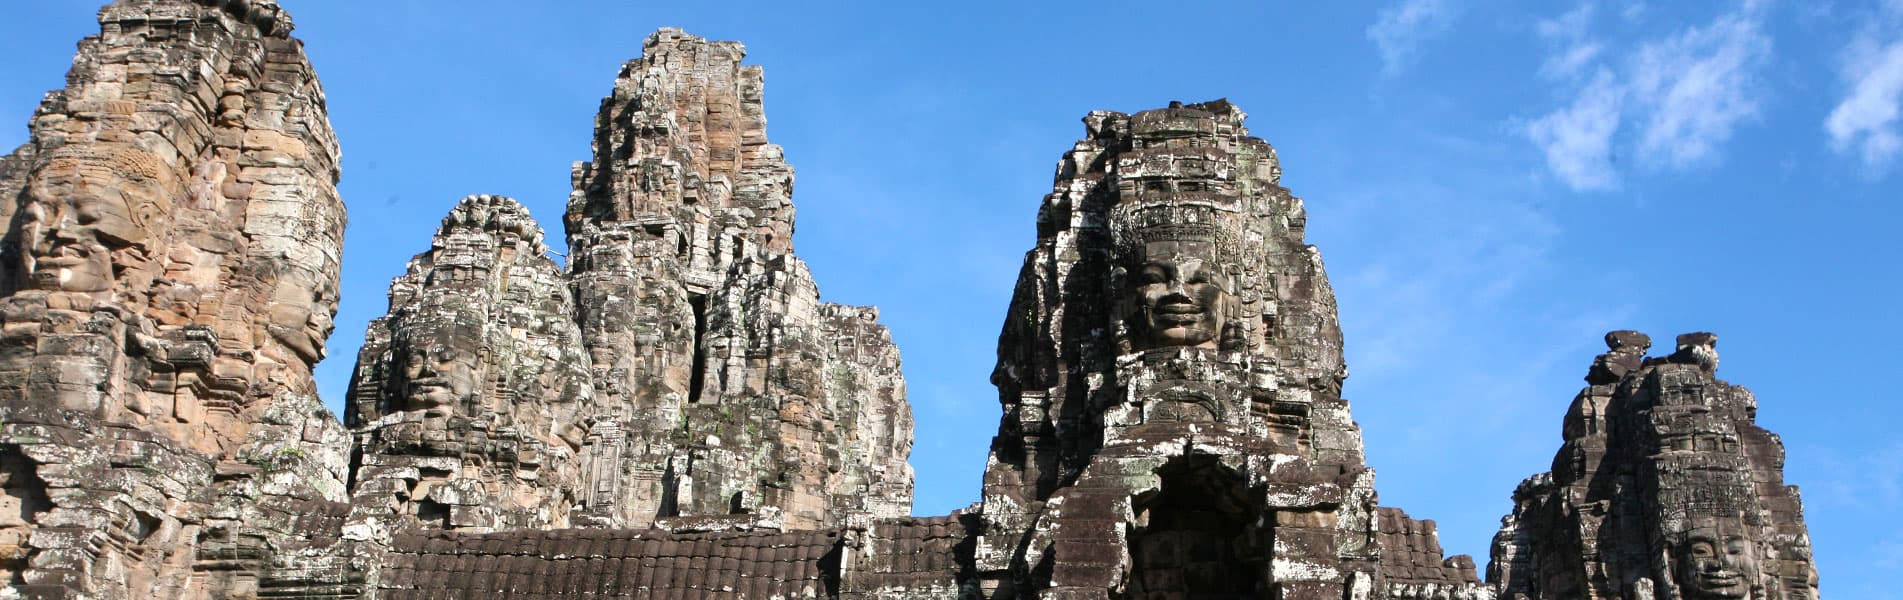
x,y
1665,487
1717,560
1171,377
154,239
1177,287
468,396
87,202
724,384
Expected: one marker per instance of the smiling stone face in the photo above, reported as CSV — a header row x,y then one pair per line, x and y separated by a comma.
x,y
1715,562
85,203
1179,295
303,320
435,374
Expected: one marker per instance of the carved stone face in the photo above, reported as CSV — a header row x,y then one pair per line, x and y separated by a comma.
x,y
303,322
83,204
1178,294
66,259
1714,562
436,375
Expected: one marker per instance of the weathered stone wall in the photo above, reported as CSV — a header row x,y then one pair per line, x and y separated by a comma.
x,y
171,270
1665,487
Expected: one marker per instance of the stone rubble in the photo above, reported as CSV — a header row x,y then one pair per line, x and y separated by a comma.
x,y
672,412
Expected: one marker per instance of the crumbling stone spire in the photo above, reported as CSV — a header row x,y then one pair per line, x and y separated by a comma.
x,y
723,384
170,271
1664,488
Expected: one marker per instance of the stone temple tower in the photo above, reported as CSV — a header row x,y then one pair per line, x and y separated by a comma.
x,y
674,413
1171,373
1664,488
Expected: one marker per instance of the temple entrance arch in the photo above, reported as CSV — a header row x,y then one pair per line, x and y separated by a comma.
x,y
1199,536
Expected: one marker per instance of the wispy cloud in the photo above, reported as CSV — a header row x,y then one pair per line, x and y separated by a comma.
x,y
1698,86
1864,123
1684,94
1399,30
1634,12
1576,49
1869,481
1461,248
1577,140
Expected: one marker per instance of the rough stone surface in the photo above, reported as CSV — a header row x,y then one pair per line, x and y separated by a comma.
x,y
1665,487
170,273
469,400
1171,376
723,384
674,413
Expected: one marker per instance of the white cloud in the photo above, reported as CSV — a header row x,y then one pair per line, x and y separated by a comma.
x,y
1577,140
1698,85
1570,63
1684,94
1463,246
1399,30
1568,33
1865,121
1634,12
1871,480
1571,25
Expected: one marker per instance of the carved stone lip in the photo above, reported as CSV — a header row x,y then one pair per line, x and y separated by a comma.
x,y
1180,308
1722,581
426,389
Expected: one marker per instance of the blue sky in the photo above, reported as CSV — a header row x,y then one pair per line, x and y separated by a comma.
x,y
1493,185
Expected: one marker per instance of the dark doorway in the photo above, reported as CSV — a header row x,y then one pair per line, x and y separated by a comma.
x,y
1198,537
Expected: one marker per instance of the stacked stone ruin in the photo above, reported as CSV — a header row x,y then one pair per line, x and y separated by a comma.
x,y
670,411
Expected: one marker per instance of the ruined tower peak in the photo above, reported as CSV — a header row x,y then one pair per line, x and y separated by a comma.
x,y
1664,487
682,141
667,40
496,215
267,16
